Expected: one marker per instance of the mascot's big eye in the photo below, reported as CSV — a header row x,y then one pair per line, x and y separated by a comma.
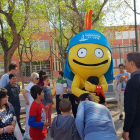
x,y
99,53
82,52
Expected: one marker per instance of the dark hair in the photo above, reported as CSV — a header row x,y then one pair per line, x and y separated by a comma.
x,y
94,80
45,77
36,89
121,65
61,73
3,93
12,75
84,96
12,66
135,57
41,73
65,105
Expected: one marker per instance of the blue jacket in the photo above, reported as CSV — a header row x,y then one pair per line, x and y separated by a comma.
x,y
94,122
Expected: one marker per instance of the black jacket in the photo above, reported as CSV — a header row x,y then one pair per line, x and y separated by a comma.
x,y
132,103
13,93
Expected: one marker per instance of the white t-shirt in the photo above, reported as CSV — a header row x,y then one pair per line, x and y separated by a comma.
x,y
29,86
60,85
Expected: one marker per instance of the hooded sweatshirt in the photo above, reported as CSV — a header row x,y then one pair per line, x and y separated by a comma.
x,y
63,128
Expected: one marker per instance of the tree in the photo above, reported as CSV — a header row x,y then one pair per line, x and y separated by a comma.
x,y
73,13
13,21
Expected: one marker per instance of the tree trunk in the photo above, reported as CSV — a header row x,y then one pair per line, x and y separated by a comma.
x,y
7,61
21,71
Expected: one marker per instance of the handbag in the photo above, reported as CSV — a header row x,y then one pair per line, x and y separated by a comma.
x,y
17,132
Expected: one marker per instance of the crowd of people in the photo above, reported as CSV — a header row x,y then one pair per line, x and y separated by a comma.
x,y
90,121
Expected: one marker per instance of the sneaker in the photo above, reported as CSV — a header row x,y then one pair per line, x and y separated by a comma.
x,y
27,137
121,117
22,131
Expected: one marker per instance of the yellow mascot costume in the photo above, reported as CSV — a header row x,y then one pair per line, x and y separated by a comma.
x,y
89,54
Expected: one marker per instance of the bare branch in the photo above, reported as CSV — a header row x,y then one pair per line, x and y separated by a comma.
x,y
130,7
98,15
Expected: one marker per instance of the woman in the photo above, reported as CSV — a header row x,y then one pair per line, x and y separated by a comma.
x,y
7,117
41,75
29,100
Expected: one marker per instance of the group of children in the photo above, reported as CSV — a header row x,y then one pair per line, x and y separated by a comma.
x,y
64,126
40,116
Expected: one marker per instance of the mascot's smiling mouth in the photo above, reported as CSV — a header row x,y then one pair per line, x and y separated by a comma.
x,y
90,64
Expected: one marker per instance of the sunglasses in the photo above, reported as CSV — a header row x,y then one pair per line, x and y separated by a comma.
x,y
36,78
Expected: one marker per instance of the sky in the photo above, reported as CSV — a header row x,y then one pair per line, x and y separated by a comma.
x,y
120,18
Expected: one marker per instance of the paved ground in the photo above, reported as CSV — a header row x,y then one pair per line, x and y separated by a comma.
x,y
115,114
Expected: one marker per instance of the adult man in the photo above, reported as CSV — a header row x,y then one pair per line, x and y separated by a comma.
x,y
122,79
72,98
5,78
13,93
61,90
132,98
94,121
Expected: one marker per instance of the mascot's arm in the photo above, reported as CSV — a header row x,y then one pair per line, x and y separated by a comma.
x,y
75,88
103,83
77,91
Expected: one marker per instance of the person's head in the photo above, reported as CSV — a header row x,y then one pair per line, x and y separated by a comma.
x,y
65,105
42,74
121,68
60,74
13,68
3,98
35,77
85,97
132,62
46,80
37,92
94,80
12,79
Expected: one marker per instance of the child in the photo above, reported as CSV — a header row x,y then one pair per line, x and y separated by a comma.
x,y
63,126
37,118
47,101
95,80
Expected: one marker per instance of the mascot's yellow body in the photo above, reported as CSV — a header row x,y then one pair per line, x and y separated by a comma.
x,y
89,55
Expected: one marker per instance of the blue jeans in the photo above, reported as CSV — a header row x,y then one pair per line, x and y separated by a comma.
x,y
17,112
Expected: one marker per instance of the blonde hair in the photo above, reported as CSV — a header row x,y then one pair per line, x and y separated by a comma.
x,y
34,75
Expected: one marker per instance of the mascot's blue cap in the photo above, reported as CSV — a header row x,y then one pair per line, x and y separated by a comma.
x,y
89,36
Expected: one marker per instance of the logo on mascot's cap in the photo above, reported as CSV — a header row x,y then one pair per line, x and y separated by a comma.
x,y
89,36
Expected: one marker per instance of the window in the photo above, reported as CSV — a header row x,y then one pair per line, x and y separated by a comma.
x,y
37,66
126,49
112,49
119,61
44,44
125,34
114,65
119,49
132,34
118,35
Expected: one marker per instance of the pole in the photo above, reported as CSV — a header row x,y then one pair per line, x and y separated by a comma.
x,y
61,36
120,53
51,64
136,37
